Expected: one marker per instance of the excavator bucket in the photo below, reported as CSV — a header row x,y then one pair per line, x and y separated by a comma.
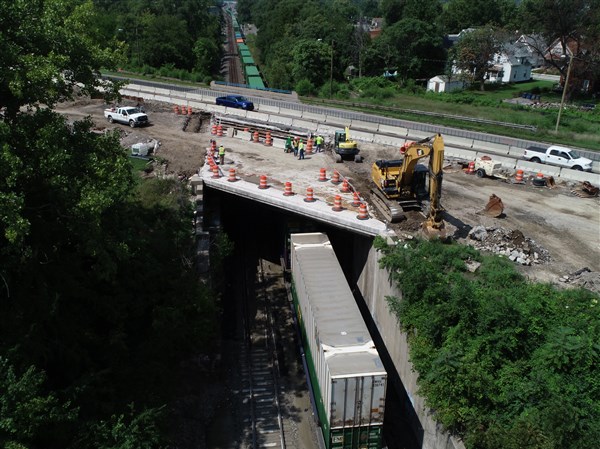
x,y
494,207
432,230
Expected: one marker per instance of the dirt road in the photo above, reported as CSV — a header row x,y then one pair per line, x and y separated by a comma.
x,y
562,229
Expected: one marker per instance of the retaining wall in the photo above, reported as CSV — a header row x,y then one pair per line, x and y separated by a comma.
x,y
374,284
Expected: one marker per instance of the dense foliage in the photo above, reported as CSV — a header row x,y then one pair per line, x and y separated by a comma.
x,y
305,44
502,362
181,37
99,301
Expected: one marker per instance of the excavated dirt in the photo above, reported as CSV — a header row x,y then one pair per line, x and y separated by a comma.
x,y
555,232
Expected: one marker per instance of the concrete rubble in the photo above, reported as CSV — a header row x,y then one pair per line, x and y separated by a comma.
x,y
509,243
584,278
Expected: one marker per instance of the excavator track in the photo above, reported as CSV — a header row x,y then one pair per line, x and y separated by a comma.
x,y
390,210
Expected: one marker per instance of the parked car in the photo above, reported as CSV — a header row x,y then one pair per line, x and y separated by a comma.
x,y
128,115
556,155
235,101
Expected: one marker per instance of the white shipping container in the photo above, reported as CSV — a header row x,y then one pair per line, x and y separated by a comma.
x,y
350,374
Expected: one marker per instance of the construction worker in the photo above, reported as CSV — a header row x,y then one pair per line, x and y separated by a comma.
x,y
288,144
295,147
301,150
319,143
221,154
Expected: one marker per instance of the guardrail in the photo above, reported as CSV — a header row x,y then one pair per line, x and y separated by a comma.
x,y
350,116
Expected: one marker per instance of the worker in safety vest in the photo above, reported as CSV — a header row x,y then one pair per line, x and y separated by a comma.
x,y
221,154
319,143
288,144
301,150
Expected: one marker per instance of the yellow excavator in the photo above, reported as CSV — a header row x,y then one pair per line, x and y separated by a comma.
x,y
401,183
345,147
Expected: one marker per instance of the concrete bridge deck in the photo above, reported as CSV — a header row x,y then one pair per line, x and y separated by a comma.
x,y
252,160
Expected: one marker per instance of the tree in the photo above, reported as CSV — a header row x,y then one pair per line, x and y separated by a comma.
x,y
96,270
474,53
463,14
571,27
27,413
391,10
207,55
410,46
54,48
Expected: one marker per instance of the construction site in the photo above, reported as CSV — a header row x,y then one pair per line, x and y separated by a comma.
x,y
416,185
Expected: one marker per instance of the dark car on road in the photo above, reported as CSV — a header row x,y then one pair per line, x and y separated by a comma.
x,y
235,101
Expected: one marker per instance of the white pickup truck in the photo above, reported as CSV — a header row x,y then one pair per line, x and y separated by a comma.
x,y
130,115
555,155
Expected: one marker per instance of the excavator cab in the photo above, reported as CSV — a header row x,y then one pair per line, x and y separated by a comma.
x,y
344,146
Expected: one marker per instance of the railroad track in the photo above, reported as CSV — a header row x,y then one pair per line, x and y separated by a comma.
x,y
260,366
234,70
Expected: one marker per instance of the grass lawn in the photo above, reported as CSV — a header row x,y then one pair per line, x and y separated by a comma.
x,y
577,128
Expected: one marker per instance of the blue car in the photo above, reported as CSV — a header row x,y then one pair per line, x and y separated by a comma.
x,y
235,101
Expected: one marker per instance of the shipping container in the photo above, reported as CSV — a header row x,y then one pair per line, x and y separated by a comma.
x,y
251,70
255,82
346,374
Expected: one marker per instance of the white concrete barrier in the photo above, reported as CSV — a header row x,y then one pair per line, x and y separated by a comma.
x,y
278,142
461,153
394,130
596,166
281,119
268,109
367,126
530,167
313,116
162,98
242,135
236,112
458,141
418,135
304,124
327,130
193,96
165,92
290,112
388,140
361,135
339,121
496,148
549,170
516,152
580,176
260,116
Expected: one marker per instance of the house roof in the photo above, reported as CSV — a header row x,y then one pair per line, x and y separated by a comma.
x,y
444,79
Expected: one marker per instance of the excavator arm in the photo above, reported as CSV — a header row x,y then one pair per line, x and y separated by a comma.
x,y
395,180
434,224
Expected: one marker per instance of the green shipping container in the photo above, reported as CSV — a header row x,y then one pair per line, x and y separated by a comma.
x,y
251,70
256,82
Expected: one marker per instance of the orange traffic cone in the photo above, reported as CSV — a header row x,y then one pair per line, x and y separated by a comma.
x,y
362,212
309,195
337,204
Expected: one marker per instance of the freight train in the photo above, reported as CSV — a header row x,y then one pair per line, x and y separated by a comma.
x,y
347,377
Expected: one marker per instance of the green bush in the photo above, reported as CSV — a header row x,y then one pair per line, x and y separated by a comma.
x,y
305,88
366,82
500,360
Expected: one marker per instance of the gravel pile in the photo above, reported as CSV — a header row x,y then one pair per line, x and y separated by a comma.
x,y
510,243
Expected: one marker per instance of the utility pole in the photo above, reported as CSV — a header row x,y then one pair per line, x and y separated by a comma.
x,y
562,100
331,71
